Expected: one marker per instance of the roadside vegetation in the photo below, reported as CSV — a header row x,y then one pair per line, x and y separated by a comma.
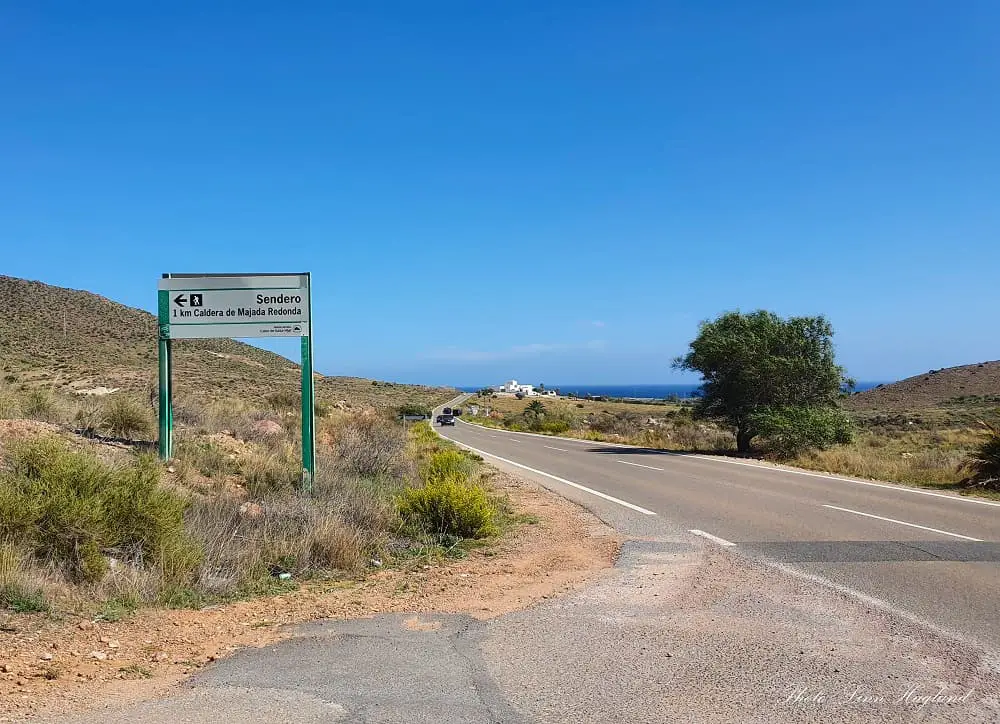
x,y
91,522
772,389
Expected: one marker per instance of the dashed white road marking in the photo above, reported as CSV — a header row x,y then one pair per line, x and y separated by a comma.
x,y
764,468
648,467
713,538
903,522
555,448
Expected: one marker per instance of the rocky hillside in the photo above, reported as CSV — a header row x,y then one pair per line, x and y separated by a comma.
x,y
75,340
968,385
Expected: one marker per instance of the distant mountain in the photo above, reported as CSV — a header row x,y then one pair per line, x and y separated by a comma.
x,y
968,384
69,339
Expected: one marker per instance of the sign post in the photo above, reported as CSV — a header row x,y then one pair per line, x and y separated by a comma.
x,y
210,306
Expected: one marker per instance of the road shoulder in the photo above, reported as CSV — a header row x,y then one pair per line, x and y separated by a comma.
x,y
47,667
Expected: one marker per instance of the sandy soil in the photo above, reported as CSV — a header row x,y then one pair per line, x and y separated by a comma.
x,y
59,665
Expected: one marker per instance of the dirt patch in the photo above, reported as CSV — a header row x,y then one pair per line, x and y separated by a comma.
x,y
54,666
11,430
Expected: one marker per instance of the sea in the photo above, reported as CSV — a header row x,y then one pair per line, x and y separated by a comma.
x,y
640,392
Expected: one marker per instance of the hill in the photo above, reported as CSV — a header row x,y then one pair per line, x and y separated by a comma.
x,y
74,340
968,386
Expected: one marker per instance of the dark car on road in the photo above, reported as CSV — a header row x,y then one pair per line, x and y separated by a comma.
x,y
445,420
457,412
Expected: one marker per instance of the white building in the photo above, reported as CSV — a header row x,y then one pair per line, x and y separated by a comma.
x,y
513,388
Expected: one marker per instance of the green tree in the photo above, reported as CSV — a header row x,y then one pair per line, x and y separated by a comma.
x,y
414,408
535,407
756,363
541,387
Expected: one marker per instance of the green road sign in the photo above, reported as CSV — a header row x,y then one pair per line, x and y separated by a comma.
x,y
208,306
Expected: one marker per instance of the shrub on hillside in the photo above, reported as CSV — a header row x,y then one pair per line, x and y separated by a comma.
x,y
625,424
265,473
126,417
450,507
551,425
285,400
368,504
789,431
89,416
446,464
40,405
10,404
369,447
204,456
414,408
984,461
69,507
17,593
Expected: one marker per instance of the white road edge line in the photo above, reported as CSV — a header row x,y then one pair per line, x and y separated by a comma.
x,y
766,468
584,488
648,467
555,448
903,522
713,538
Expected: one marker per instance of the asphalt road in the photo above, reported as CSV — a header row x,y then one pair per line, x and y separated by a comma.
x,y
735,623
932,556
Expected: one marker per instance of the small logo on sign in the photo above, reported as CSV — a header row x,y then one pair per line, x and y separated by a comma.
x,y
196,300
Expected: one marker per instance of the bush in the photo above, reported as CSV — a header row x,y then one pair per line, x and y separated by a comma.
x,y
40,405
204,456
369,447
984,461
69,507
625,424
10,405
285,400
789,431
414,408
89,416
551,426
446,464
267,473
450,507
125,417
16,593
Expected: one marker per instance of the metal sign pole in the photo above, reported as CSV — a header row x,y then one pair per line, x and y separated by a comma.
x,y
308,404
165,398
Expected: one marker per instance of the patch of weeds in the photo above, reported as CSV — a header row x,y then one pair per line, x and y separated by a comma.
x,y
49,672
135,671
206,457
181,597
21,599
115,609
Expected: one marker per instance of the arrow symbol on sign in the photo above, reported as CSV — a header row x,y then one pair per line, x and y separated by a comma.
x,y
180,300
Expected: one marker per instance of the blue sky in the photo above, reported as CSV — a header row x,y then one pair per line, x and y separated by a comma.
x,y
549,191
